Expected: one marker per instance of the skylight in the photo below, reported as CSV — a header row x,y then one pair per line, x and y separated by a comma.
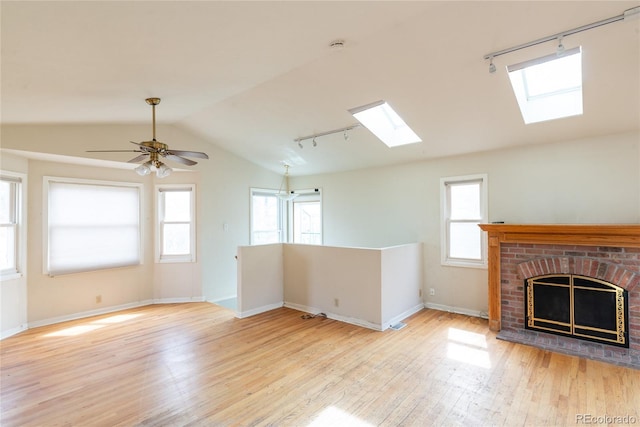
x,y
550,87
385,123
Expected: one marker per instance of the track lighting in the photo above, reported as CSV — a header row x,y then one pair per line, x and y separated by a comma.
x,y
627,15
313,137
492,67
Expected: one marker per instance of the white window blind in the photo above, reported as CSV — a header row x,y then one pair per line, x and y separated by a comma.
x,y
91,225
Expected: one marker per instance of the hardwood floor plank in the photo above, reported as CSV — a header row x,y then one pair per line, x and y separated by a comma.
x,y
196,364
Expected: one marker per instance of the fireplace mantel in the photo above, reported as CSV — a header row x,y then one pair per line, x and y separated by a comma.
x,y
610,235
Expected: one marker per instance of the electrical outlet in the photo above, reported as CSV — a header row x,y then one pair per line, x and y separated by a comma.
x,y
98,299
432,291
336,302
420,292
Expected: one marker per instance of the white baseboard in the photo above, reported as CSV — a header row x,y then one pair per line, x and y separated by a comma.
x,y
178,300
456,310
13,331
334,316
254,311
402,316
223,298
111,309
81,315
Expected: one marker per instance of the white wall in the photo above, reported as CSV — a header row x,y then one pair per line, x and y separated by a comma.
x,y
593,180
260,279
369,287
401,282
13,292
315,276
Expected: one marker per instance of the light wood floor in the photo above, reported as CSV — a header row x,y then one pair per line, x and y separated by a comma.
x,y
195,364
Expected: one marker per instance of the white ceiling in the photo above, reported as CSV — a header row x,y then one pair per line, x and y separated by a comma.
x,y
250,77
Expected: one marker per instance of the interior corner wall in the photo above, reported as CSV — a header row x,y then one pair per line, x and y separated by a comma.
x,y
592,180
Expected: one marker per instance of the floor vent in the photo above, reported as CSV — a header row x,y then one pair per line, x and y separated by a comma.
x,y
398,326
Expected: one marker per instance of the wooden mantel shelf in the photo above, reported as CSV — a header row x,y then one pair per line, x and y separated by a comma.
x,y
611,235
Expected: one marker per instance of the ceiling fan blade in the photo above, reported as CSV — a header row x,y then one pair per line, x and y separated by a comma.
x,y
113,151
180,159
140,158
197,154
143,147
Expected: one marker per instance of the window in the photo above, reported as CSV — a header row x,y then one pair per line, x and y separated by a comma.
x,y
176,226
306,214
464,206
266,217
385,123
90,225
10,221
550,87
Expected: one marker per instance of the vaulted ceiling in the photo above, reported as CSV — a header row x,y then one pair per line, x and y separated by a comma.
x,y
250,77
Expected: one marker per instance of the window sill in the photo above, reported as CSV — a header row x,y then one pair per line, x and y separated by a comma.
x,y
10,276
465,264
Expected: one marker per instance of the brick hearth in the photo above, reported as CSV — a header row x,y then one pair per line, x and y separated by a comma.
x,y
518,252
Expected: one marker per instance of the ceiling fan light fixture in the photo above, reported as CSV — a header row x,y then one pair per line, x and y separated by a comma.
x,y
144,169
163,170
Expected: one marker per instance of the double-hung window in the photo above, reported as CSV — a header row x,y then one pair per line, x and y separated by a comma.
x,y
90,225
267,217
306,217
464,207
10,222
176,223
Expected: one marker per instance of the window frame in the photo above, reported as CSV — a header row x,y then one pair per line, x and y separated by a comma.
x,y
308,195
282,220
159,214
89,182
445,220
17,208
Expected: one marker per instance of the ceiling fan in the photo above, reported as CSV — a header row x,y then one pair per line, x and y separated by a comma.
x,y
153,150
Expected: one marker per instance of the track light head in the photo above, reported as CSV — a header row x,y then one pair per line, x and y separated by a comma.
x,y
315,144
560,50
492,67
346,136
300,144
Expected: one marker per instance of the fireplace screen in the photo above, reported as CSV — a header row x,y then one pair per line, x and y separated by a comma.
x,y
577,306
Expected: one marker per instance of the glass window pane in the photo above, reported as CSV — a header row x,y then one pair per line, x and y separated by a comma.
x,y
177,206
465,201
176,239
307,223
5,202
7,248
465,240
265,219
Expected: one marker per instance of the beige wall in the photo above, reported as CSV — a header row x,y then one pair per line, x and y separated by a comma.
x,y
593,180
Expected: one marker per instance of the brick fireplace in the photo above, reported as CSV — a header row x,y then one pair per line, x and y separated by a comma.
x,y
605,252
